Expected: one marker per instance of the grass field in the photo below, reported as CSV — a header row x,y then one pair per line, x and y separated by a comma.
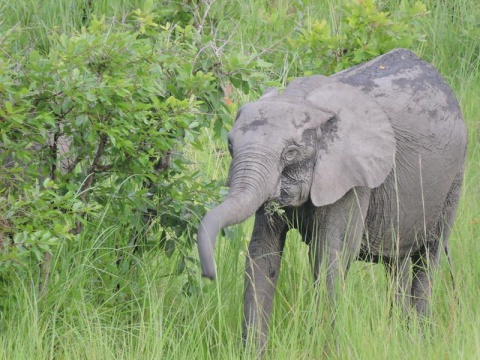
x,y
163,323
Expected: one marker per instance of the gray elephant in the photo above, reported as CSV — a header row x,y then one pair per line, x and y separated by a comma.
x,y
367,164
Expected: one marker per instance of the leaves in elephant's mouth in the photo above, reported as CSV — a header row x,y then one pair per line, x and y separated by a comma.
x,y
274,208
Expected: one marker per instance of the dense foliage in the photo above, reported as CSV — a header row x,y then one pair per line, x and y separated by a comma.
x,y
92,132
362,32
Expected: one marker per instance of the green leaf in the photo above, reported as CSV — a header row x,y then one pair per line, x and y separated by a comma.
x,y
169,247
9,107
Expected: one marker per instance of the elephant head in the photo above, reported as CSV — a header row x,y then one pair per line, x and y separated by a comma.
x,y
315,141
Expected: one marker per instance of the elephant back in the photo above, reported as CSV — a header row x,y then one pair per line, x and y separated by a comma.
x,y
419,103
431,142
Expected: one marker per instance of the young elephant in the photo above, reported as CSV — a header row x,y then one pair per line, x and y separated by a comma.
x,y
367,163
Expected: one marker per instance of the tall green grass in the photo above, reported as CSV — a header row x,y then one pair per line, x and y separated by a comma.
x,y
74,321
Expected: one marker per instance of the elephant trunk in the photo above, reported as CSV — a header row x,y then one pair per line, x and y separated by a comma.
x,y
251,184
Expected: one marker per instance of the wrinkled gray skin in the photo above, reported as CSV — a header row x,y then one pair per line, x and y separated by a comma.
x,y
367,163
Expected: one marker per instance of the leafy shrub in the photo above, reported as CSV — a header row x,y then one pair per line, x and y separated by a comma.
x,y
362,33
91,132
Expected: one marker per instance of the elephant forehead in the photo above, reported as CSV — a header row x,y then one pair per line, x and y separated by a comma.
x,y
263,115
272,136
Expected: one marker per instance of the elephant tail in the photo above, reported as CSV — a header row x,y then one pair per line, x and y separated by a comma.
x,y
450,267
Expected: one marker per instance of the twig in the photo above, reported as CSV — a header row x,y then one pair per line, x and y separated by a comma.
x,y
205,14
93,166
91,177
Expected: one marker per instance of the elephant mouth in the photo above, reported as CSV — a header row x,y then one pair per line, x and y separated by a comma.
x,y
284,198
292,197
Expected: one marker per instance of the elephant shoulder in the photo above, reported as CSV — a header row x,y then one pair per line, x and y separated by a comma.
x,y
402,83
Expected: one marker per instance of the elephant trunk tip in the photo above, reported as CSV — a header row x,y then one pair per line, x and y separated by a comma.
x,y
206,244
209,273
231,211
208,266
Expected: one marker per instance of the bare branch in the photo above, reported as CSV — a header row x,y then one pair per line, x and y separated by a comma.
x,y
93,166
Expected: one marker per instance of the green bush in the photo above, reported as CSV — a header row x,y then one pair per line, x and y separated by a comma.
x,y
362,32
92,133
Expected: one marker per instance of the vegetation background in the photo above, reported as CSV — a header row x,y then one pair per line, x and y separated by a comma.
x,y
113,118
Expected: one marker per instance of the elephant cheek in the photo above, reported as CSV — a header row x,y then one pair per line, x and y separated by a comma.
x,y
303,193
294,194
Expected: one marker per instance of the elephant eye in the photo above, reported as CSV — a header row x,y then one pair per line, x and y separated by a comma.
x,y
290,153
230,148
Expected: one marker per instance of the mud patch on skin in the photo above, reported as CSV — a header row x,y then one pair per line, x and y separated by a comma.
x,y
415,79
390,64
309,137
258,121
329,132
253,126
406,71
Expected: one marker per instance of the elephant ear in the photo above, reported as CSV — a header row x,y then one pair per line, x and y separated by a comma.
x,y
356,143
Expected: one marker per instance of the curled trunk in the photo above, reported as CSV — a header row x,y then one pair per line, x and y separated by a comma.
x,y
251,184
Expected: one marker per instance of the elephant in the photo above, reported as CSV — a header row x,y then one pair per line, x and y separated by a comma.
x,y
367,164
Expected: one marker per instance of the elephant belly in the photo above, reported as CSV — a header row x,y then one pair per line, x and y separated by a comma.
x,y
402,211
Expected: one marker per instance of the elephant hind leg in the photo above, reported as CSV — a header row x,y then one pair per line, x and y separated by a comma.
x,y
448,217
411,279
426,261
399,274
424,264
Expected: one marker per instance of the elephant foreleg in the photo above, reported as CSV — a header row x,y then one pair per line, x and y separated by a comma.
x,y
262,270
340,229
